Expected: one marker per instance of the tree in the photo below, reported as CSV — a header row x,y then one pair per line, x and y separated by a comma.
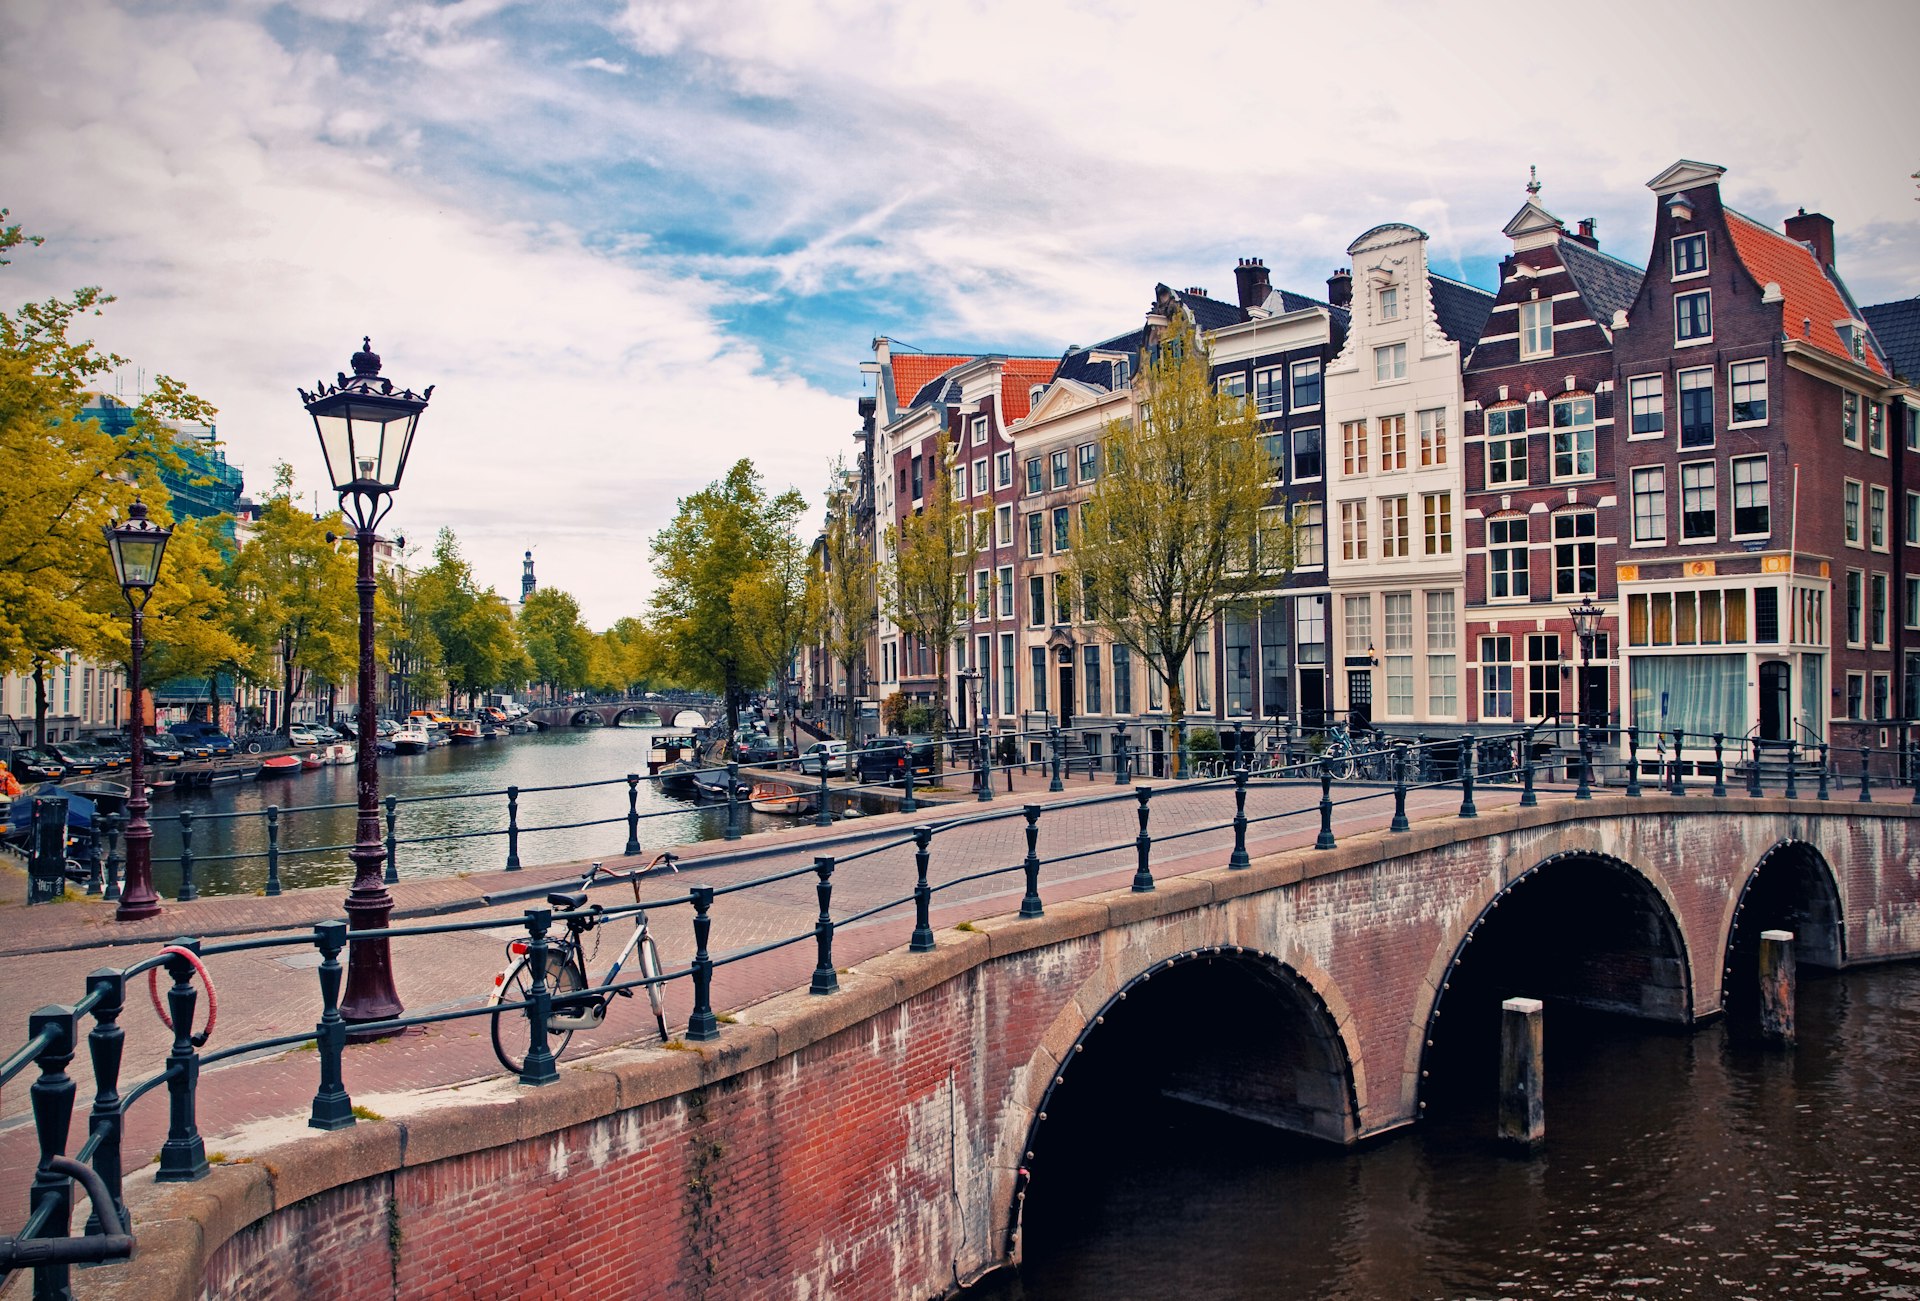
x,y
719,536
1174,528
625,657
925,583
848,605
559,645
414,653
776,606
188,624
294,598
478,647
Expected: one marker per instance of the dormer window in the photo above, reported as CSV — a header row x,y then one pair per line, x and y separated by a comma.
x,y
1536,328
1689,256
1390,304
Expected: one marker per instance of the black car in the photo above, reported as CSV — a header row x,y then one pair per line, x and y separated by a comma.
x,y
29,766
159,748
81,759
885,758
760,748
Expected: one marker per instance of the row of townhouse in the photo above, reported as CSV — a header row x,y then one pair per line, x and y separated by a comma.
x,y
1713,451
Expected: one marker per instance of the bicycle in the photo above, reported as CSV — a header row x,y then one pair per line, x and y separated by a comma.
x,y
574,1008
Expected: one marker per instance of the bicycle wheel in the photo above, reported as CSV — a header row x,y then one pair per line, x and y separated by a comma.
x,y
510,1024
1340,762
253,747
656,992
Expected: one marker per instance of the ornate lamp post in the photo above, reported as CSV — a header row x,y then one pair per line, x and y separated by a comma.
x,y
137,547
366,428
1586,626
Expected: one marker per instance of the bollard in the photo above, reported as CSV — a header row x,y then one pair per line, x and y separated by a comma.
x,y
1325,839
104,1044
1866,791
1053,737
1123,767
393,840
1584,789
825,979
1143,846
188,890
1633,762
183,1157
633,814
1030,902
1826,760
983,748
273,850
823,810
1528,798
116,822
1793,769
1778,975
1523,1119
1400,822
733,802
1467,809
1239,856
95,852
702,1025
1719,767
52,1097
922,941
332,1108
1753,771
909,804
513,828
539,1067
1678,783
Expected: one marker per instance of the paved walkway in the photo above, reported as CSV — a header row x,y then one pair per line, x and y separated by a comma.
x,y
1086,840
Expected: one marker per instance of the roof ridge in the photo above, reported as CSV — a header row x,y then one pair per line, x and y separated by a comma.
x,y
1590,251
1462,284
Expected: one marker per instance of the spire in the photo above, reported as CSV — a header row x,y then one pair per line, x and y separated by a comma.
x,y
526,578
1533,182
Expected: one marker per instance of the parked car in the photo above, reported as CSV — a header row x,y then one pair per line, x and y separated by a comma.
x,y
160,748
29,765
757,747
830,754
327,733
114,751
300,736
885,758
81,759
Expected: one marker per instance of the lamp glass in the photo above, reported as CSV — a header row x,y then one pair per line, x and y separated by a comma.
x,y
365,441
136,555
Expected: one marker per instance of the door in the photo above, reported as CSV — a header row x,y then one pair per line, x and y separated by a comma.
x,y
1313,699
1776,681
1066,695
1593,696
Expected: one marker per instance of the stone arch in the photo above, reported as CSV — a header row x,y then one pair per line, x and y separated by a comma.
x,y
1319,1098
642,715
1791,887
1655,981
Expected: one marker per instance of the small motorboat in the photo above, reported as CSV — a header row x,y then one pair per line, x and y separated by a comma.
x,y
466,731
411,739
312,761
280,765
339,753
668,749
678,779
780,799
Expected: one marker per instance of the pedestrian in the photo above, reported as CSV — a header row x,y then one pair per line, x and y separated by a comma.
x,y
9,784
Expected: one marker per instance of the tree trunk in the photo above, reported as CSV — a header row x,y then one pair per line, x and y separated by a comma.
x,y
39,702
286,694
1177,715
853,729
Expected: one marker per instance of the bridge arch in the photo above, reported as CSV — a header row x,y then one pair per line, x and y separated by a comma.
x,y
1581,928
1212,1002
641,715
1792,887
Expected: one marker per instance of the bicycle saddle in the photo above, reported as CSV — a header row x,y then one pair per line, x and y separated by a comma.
x,y
568,902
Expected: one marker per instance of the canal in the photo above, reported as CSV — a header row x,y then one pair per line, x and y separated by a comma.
x,y
463,788
1677,1164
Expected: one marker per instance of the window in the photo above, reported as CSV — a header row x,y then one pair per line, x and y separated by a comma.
x,y
959,482
1913,519
1747,385
1650,503
1693,317
1236,635
1122,680
1913,428
1766,615
1850,493
1005,586
1033,475
1856,601
1390,363
1306,454
979,431
1393,528
1876,428
982,535
1275,445
1006,673
1306,384
1090,678
1856,692
1353,447
982,594
1496,677
1061,526
1311,629
1536,328
1358,623
1269,391
1573,438
1089,454
1697,502
1882,695
1750,496
1689,255
1877,609
1877,517
1433,437
1696,407
1036,533
1234,386
1270,543
1850,419
1913,603
1003,526
1003,469
1390,304
1393,443
1037,601
1437,507
980,486
1203,670
1353,530
1309,535
1443,694
1059,466
1037,662
918,486
1062,600
1507,558
1396,610
1647,395
1543,675
1506,447
1576,564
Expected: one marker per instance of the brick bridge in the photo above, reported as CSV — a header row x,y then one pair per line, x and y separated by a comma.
x,y
610,713
877,1142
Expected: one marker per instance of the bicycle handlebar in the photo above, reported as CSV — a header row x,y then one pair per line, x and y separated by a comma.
x,y
665,858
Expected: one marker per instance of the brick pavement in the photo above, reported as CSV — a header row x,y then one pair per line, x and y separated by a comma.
x,y
46,953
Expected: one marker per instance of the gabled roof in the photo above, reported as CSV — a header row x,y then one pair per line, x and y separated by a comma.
x,y
1106,365
1814,300
1686,174
1017,379
1897,326
1461,309
1211,313
1606,284
913,370
1532,219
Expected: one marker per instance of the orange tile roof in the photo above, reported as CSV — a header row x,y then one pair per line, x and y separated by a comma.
x,y
912,371
1017,379
1771,257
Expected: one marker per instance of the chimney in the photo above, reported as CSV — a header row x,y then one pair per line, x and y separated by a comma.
x,y
1814,229
1250,277
1585,232
1340,288
1194,291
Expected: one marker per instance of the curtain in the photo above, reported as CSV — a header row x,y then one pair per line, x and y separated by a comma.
x,y
1701,694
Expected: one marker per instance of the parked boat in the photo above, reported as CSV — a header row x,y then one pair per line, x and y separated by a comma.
x,y
339,753
780,799
669,748
466,730
280,765
678,779
411,739
312,761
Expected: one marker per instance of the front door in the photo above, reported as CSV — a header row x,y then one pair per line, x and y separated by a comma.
x,y
1313,699
1776,680
1593,696
1066,695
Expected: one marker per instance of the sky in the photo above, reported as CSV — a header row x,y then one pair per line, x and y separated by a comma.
x,y
630,243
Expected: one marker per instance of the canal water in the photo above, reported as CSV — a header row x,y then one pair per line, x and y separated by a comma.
x,y
1676,1165
465,808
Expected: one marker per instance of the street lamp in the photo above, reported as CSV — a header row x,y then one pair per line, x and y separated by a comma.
x,y
1586,626
366,428
137,547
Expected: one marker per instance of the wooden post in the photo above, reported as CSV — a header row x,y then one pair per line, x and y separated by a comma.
x,y
1777,978
1523,1121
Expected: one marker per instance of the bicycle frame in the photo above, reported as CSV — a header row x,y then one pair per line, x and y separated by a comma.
x,y
586,1011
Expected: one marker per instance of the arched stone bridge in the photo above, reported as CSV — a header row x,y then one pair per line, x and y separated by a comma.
x,y
609,713
880,1141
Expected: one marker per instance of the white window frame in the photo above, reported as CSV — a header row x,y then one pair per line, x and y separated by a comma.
x,y
1637,394
1393,443
981,431
1734,487
981,487
1536,336
1309,524
1877,522
1850,422
1680,389
1395,545
1573,430
1436,541
1876,426
1696,340
1353,530
1294,371
1388,297
1086,462
1913,518
1713,487
1499,447
1432,424
1003,525
1575,540
1003,469
1697,238
1270,391
1879,613
1655,496
1853,513
1515,557
1734,383
1389,363
1003,583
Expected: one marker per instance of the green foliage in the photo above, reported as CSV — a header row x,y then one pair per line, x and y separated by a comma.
x,y
413,651
1203,743
893,712
479,649
917,719
925,582
844,576
557,643
776,603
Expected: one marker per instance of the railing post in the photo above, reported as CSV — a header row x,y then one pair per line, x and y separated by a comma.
x,y
1030,902
1633,763
105,1044
539,1067
909,804
1467,753
1239,856
1325,840
1239,752
1826,761
1866,790
1528,797
1143,845
332,1108
1719,766
633,815
392,874
1753,767
273,850
513,829
922,941
1913,770
183,1157
114,823
1053,737
188,890
702,1025
733,802
96,856
823,801
1678,784
1123,766
983,754
52,1099
1584,789
825,979
1793,770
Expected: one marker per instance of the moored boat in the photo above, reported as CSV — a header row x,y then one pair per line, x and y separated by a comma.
x,y
312,761
280,765
466,730
780,799
411,739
